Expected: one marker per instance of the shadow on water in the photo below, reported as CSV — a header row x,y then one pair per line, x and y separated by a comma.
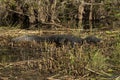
x,y
14,54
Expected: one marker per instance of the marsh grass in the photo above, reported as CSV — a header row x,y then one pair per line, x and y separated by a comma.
x,y
30,60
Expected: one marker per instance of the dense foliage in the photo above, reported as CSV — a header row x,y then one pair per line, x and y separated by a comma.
x,y
58,13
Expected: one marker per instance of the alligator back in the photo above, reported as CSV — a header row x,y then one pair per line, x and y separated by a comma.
x,y
57,39
64,39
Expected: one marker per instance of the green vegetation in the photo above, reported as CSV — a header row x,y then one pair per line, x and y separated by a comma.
x,y
60,13
45,60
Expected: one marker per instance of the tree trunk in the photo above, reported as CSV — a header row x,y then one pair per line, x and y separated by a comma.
x,y
80,14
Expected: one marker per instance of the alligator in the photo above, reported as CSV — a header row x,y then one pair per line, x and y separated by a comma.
x,y
58,39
